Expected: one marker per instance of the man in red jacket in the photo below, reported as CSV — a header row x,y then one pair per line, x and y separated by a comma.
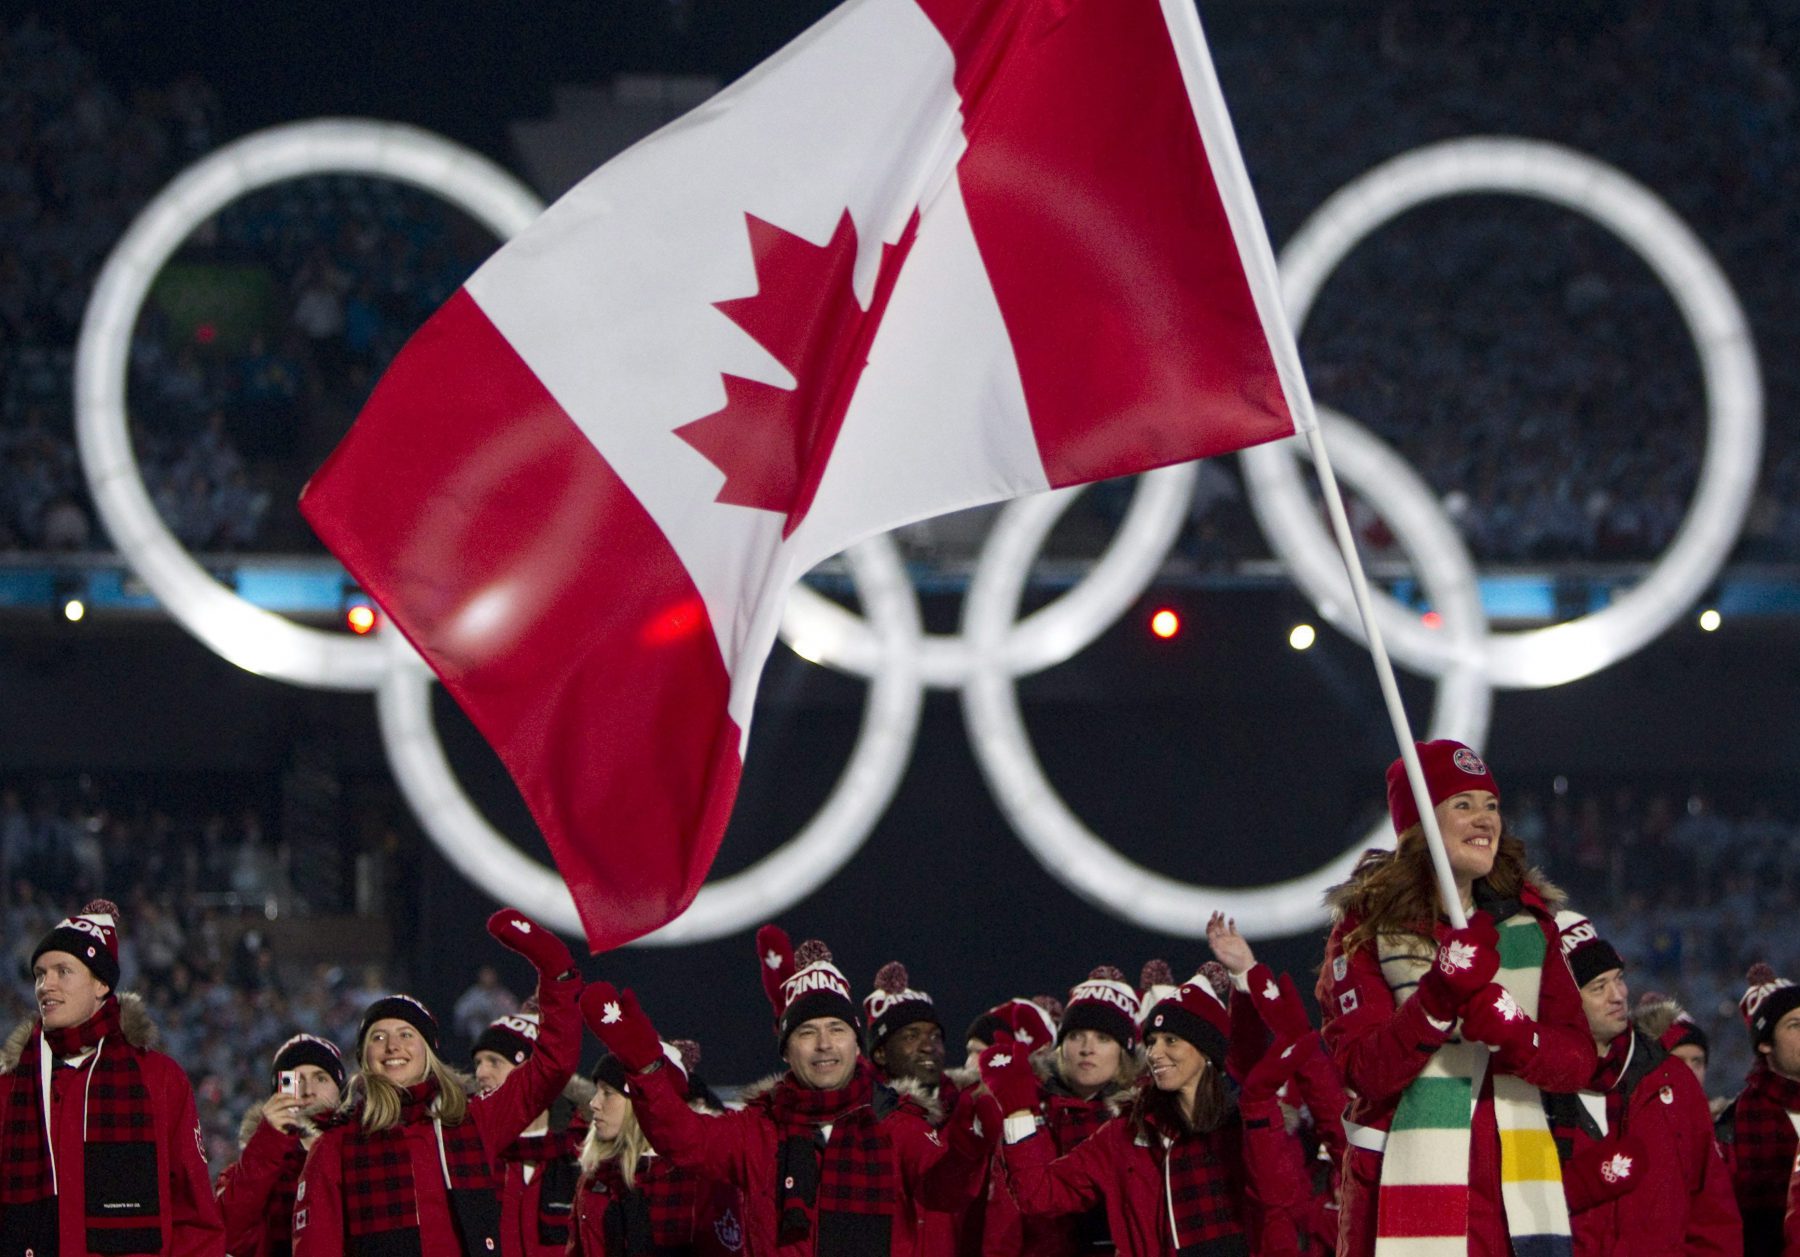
x,y
538,1197
98,1133
1640,1169
830,1161
256,1192
1757,1132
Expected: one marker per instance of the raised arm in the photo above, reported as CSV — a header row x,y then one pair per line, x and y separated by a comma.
x,y
534,1085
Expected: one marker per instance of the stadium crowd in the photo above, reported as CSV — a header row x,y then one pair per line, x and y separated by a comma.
x,y
1433,335
1063,1123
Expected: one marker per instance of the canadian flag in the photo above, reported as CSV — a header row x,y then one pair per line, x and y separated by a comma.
x,y
934,253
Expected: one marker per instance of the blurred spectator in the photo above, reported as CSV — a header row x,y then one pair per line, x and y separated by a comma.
x,y
485,999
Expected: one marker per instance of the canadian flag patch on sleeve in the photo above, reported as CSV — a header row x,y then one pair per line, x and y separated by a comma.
x,y
1347,1002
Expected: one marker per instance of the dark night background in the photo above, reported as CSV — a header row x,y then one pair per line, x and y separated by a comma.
x,y
1221,756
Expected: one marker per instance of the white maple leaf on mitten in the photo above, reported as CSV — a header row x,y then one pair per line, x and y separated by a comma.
x,y
523,927
772,958
611,1015
1616,1168
1458,956
1507,1007
1271,992
1001,1061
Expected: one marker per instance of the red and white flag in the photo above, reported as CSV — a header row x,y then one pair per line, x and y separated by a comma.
x,y
934,253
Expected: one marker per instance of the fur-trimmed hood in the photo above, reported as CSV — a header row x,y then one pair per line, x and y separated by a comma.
x,y
900,1088
1539,891
134,1023
1043,1063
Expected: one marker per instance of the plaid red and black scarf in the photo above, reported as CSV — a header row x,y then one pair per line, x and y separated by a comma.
x,y
119,1176
1764,1138
378,1182
847,1184
1072,1121
1609,1071
655,1213
278,1223
556,1154
1201,1197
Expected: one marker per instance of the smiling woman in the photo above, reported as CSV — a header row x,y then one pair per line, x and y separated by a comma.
x,y
1396,982
414,1160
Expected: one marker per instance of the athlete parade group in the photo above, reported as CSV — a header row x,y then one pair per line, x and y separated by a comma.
x,y
1485,1090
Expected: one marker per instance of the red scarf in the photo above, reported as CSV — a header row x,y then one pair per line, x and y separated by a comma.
x,y
848,1188
117,1112
556,1154
378,1182
655,1213
1764,1138
1202,1198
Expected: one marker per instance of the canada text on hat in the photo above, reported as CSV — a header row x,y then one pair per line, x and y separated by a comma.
x,y
91,936
1112,991
895,1003
1767,1000
1587,954
821,975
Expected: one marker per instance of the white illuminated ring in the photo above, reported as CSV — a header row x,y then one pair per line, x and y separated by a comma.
x,y
822,631
1082,860
994,646
745,899
256,640
1561,652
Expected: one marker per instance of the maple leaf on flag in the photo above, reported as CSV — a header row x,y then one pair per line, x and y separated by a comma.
x,y
773,443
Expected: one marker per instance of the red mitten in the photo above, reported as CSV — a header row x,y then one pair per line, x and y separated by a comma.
x,y
974,1127
1466,960
1277,1003
1278,1064
1493,1017
548,954
1603,1171
1007,1074
618,1022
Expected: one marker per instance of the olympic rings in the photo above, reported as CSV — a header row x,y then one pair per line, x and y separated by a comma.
x,y
1541,657
994,647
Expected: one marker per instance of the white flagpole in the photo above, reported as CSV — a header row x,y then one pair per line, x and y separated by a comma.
x,y
1384,673
1239,202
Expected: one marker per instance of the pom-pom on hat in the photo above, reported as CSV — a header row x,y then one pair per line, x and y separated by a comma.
x,y
1450,768
1767,1000
308,1049
1105,1002
91,936
802,983
1156,982
1031,1022
398,1008
895,1003
514,1036
1197,1014
1588,954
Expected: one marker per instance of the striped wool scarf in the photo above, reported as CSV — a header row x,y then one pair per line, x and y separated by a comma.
x,y
1423,1208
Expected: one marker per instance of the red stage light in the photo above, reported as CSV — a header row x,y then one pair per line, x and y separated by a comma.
x,y
1165,623
360,618
205,333
1432,620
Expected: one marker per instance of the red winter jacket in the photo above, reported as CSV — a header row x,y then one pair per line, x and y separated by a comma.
x,y
188,1214
246,1190
499,1118
1116,1170
740,1147
716,1223
522,1205
1006,1232
1380,1047
1682,1204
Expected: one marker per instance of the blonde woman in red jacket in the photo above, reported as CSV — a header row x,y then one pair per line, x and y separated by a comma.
x,y
1184,1168
410,1167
